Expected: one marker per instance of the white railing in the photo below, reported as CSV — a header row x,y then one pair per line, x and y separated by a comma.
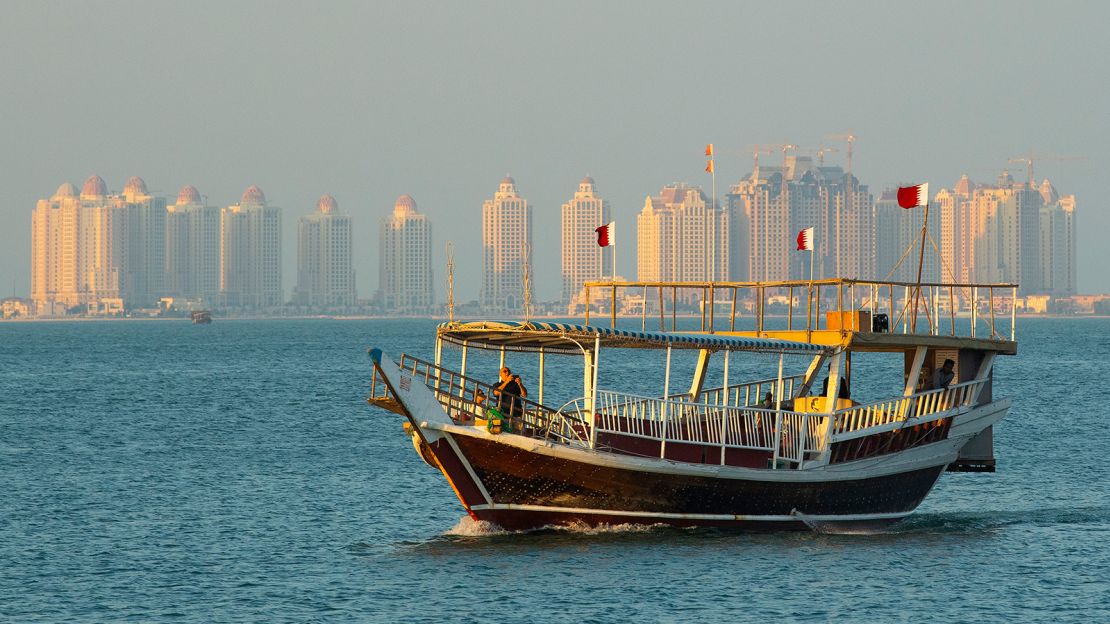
x,y
747,394
889,415
704,423
787,434
465,400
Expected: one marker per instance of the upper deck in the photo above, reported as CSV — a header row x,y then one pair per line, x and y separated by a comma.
x,y
859,315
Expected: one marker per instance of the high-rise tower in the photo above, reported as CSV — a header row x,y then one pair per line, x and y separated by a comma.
x,y
680,237
192,254
506,241
405,260
582,259
773,203
144,279
250,252
325,278
59,260
1057,241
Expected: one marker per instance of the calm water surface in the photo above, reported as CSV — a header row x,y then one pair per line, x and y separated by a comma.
x,y
160,471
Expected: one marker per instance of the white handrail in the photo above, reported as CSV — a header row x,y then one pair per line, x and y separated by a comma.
x,y
917,406
733,393
708,424
792,434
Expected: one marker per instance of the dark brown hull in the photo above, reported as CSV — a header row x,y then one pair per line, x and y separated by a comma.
x,y
528,490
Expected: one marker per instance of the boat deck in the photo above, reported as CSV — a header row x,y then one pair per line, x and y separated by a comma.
x,y
725,426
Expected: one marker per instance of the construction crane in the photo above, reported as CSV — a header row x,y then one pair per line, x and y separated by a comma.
x,y
821,155
760,149
850,138
784,147
1030,157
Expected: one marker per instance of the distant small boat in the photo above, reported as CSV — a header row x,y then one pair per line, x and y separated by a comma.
x,y
202,317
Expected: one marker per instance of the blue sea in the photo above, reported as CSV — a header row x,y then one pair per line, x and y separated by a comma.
x,y
160,471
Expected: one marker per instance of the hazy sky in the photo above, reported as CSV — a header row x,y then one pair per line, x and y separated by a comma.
x,y
367,101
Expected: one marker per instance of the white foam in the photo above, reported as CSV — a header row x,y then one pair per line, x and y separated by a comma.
x,y
469,527
601,529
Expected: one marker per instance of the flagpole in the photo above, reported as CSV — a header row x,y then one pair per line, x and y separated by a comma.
x,y
710,241
809,306
920,263
713,243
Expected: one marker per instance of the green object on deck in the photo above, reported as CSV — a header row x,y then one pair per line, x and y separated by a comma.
x,y
494,420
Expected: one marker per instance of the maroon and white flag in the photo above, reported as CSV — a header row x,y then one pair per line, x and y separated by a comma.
x,y
606,234
913,196
805,239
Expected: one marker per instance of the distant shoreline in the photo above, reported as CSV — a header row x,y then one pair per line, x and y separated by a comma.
x,y
328,317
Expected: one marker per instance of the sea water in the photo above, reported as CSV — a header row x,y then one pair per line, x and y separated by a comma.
x,y
161,471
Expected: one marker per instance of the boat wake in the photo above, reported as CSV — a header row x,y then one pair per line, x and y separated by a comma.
x,y
977,523
987,521
469,527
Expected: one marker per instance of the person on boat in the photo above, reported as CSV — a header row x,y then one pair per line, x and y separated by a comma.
x,y
842,393
479,398
768,401
509,390
944,375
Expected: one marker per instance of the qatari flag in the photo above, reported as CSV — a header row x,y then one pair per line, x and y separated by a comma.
x,y
913,196
805,239
606,234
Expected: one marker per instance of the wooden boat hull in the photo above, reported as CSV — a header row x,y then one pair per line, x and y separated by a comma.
x,y
520,482
521,489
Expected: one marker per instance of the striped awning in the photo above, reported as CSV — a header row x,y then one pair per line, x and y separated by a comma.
x,y
570,338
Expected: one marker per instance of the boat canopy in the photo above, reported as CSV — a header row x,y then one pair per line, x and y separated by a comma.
x,y
568,338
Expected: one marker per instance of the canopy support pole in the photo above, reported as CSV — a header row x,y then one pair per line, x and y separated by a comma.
x,y
778,418
593,392
462,370
982,375
811,374
724,383
724,402
541,376
698,383
915,371
439,359
831,394
666,393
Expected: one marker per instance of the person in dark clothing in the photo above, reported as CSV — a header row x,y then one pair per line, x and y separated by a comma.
x,y
943,376
842,392
508,392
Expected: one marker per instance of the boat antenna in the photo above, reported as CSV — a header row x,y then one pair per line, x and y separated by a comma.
x,y
450,282
526,279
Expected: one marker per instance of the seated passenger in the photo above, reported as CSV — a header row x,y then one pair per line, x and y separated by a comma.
x,y
768,402
944,375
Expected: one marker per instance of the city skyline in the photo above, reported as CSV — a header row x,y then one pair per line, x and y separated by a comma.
x,y
303,119
987,232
